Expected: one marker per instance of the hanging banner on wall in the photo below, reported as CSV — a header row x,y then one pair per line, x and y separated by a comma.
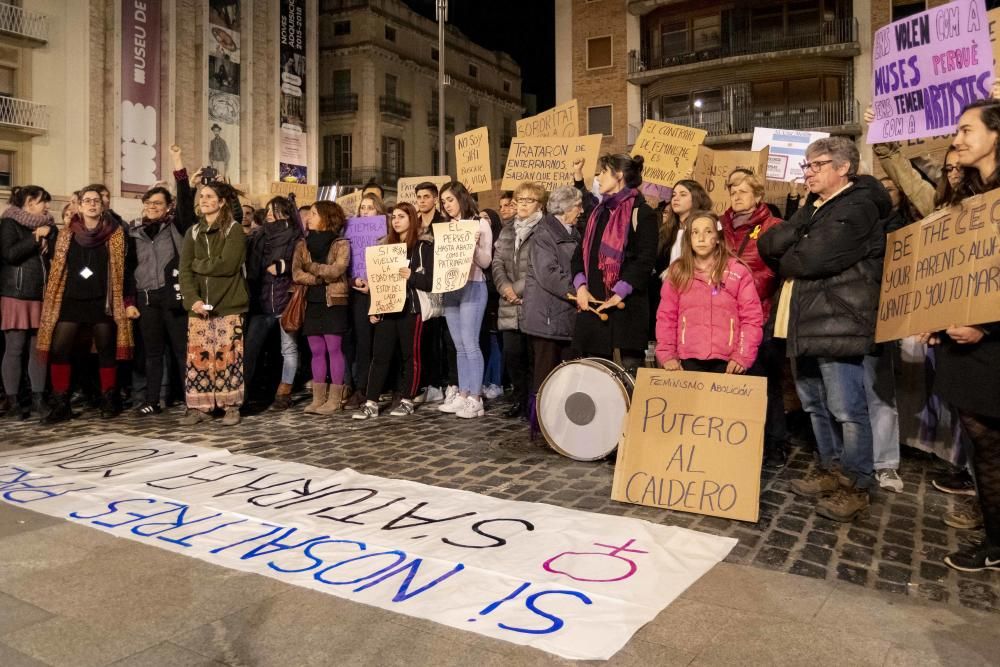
x,y
292,92
140,81
222,39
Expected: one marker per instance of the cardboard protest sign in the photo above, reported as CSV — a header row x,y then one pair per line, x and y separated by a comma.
x,y
559,121
669,151
490,198
927,67
350,203
363,233
694,443
943,271
406,188
581,582
472,159
713,168
787,150
454,244
548,160
386,287
993,16
305,195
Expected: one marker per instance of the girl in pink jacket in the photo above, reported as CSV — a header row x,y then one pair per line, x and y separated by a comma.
x,y
709,317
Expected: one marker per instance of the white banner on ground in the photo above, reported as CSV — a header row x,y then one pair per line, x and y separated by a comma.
x,y
572,583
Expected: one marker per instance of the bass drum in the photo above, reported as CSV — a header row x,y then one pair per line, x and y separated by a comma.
x,y
582,406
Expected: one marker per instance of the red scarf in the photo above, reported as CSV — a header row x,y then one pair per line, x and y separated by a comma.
x,y
611,252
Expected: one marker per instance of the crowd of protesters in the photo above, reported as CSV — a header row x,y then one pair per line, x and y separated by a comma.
x,y
213,301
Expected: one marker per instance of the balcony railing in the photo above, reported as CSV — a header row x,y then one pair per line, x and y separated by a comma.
x,y
749,42
30,25
393,106
23,114
359,176
743,120
339,103
432,121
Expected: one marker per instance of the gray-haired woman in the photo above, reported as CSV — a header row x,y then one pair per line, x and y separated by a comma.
x,y
547,316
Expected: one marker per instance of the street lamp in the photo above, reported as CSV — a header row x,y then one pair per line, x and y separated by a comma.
x,y
442,16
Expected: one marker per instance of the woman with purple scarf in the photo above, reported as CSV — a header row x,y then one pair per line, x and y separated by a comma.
x,y
27,236
613,264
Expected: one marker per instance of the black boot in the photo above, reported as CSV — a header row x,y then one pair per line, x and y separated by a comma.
x,y
39,405
5,405
110,405
60,411
775,454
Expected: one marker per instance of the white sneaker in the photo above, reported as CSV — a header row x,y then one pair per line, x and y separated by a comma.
x,y
433,395
493,391
472,408
889,480
421,397
450,393
454,405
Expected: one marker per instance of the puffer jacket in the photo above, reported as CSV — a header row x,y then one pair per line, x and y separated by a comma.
x,y
273,246
742,241
23,267
546,311
333,274
831,259
212,270
711,322
509,270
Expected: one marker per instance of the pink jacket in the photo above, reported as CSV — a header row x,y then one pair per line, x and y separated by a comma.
x,y
711,323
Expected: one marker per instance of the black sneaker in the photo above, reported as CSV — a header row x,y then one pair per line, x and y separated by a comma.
x,y
959,484
975,559
775,455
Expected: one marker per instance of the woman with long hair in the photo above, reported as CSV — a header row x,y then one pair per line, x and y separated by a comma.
x,y
86,293
360,350
401,333
320,263
710,318
214,291
613,264
27,237
464,308
269,275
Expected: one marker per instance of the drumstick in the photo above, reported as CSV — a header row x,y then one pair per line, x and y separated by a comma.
x,y
603,316
620,305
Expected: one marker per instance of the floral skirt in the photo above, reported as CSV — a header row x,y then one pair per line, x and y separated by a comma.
x,y
214,374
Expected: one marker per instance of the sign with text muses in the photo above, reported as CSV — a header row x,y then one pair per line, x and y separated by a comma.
x,y
694,442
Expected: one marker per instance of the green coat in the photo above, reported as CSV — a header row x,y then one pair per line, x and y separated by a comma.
x,y
211,268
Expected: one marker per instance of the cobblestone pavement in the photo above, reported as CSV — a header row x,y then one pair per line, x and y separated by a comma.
x,y
897,548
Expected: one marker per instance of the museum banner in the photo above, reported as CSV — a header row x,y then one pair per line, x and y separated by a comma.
x,y
292,93
140,82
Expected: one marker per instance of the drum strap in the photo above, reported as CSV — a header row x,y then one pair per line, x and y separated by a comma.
x,y
616,356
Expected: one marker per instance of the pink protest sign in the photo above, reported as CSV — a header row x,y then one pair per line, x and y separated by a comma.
x,y
927,68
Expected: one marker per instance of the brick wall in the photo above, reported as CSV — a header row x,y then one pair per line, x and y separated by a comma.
x,y
604,86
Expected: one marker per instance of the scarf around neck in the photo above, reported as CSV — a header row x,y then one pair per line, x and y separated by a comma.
x,y
611,251
92,238
25,219
523,227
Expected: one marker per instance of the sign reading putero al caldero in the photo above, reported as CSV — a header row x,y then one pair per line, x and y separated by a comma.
x,y
694,443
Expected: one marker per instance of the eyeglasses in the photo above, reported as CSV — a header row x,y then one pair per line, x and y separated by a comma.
x,y
948,168
526,200
90,200
814,166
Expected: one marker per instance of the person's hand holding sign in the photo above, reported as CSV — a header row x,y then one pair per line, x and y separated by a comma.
x,y
966,335
734,368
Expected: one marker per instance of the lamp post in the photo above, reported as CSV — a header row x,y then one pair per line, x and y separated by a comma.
x,y
442,16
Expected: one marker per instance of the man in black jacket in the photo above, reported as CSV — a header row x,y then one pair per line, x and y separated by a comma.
x,y
830,257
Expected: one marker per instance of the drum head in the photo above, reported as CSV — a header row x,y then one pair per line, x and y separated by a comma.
x,y
582,407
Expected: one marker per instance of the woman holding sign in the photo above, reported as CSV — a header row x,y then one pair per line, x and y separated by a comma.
x,y
402,332
320,263
613,263
464,308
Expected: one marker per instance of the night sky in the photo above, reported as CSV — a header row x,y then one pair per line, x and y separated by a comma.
x,y
525,29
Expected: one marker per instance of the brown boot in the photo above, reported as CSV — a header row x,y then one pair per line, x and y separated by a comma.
x,y
843,505
283,397
819,482
319,398
334,401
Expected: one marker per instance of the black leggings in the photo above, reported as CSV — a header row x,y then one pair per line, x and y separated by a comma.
x,y
984,432
402,332
65,335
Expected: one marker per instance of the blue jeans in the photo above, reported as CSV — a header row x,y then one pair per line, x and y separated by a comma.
x,y
880,390
256,336
494,370
832,391
464,309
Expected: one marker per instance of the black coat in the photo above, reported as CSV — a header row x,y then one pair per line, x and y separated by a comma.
x,y
968,376
546,311
626,329
23,269
273,246
834,255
